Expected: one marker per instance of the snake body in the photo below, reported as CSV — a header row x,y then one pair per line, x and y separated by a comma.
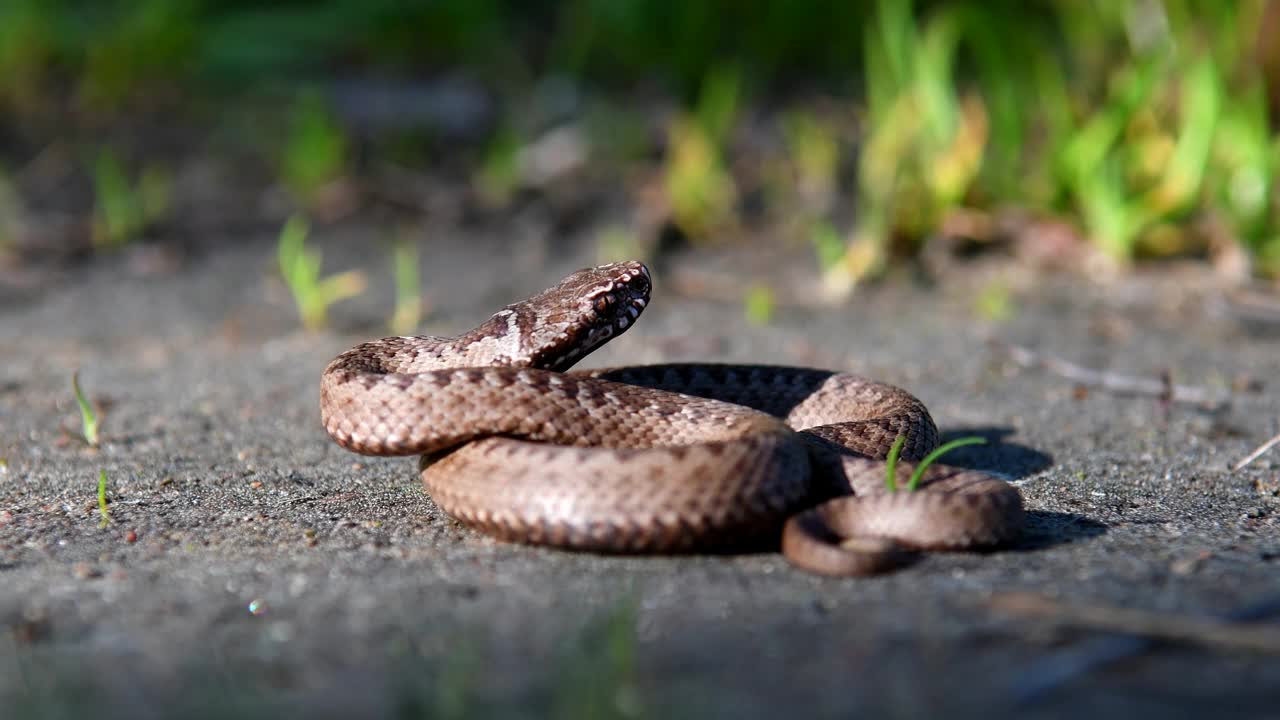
x,y
657,458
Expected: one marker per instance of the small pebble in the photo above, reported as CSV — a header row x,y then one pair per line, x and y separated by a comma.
x,y
131,537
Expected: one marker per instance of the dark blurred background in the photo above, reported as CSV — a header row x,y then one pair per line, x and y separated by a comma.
x,y
1068,133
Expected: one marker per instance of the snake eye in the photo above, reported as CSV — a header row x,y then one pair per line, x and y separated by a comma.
x,y
641,284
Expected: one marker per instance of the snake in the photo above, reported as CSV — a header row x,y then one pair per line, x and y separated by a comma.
x,y
656,459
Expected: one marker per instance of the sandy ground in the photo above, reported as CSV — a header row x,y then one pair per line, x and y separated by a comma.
x,y
252,568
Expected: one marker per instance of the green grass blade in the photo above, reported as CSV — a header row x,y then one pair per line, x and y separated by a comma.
x,y
717,107
937,453
891,464
408,310
300,269
1201,105
88,418
315,152
102,499
118,210
289,251
759,304
828,245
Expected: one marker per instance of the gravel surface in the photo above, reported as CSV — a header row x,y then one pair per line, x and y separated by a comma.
x,y
251,568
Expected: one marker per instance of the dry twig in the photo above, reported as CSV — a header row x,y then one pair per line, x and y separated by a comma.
x,y
1256,453
1205,631
1062,666
1163,387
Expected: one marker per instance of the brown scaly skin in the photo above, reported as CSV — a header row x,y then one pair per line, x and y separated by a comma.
x,y
661,458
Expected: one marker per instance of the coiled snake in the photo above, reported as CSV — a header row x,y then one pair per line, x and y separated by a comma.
x,y
654,459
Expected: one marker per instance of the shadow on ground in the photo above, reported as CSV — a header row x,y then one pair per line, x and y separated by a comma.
x,y
1011,460
1043,529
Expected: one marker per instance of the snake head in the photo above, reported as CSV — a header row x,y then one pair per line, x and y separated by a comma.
x,y
584,310
611,295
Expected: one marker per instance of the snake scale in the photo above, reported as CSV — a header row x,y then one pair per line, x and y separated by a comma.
x,y
659,458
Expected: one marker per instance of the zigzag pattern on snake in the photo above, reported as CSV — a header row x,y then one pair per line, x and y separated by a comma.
x,y
659,458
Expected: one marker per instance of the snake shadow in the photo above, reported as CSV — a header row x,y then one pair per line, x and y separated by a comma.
x,y
1009,460
1043,528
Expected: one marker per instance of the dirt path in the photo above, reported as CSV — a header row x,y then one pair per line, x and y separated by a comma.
x,y
253,569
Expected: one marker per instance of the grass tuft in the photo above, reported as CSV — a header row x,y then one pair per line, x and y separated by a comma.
x,y
699,187
126,208
315,151
300,268
1148,125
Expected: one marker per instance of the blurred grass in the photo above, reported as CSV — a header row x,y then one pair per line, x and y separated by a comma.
x,y
300,268
126,209
404,264
315,148
594,672
1149,124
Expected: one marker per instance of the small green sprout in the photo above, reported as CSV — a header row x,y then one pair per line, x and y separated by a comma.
x,y
11,214
759,304
300,268
116,217
408,312
891,462
126,207
498,177
599,675
102,499
994,302
315,152
88,418
699,188
617,243
828,245
813,150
